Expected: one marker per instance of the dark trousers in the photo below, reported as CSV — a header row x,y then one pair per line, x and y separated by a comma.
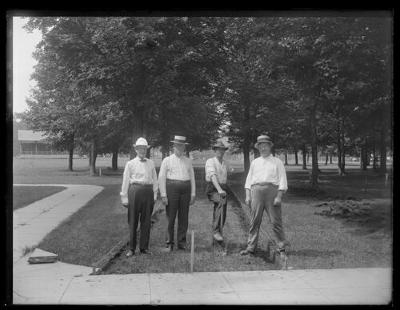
x,y
220,206
141,203
178,194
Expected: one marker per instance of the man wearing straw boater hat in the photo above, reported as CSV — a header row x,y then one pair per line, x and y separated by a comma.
x,y
265,184
138,194
216,173
178,191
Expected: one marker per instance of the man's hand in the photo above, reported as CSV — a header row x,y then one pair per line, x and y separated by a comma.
x,y
277,201
222,193
248,197
164,200
124,201
192,199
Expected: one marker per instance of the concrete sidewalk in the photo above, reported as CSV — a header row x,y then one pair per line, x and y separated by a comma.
x,y
33,222
60,283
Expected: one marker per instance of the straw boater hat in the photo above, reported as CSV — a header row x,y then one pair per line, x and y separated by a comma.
x,y
263,139
220,145
141,142
179,140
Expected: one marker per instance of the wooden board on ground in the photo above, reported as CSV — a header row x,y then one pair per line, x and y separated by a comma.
x,y
39,256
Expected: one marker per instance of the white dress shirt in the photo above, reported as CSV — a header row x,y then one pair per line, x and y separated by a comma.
x,y
269,169
215,167
176,168
137,171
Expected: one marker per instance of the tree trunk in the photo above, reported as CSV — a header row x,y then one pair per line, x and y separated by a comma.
x,y
304,154
164,151
93,155
246,158
374,159
330,158
340,149
343,161
308,157
363,157
326,158
165,144
71,157
343,170
247,139
114,161
314,149
286,161
382,167
296,158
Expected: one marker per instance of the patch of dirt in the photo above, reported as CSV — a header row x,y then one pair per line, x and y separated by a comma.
x,y
344,208
362,216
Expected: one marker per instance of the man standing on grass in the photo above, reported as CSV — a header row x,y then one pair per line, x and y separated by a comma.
x,y
178,191
216,177
138,194
265,184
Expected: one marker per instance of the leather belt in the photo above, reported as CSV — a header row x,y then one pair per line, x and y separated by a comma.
x,y
177,181
264,184
141,184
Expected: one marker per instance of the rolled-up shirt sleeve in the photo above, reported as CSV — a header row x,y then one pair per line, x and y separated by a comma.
x,y
282,177
162,176
210,169
125,184
249,178
192,179
155,182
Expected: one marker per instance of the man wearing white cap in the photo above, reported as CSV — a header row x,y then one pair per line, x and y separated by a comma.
x,y
138,194
178,191
265,184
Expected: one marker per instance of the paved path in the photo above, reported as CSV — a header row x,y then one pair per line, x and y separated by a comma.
x,y
60,283
33,222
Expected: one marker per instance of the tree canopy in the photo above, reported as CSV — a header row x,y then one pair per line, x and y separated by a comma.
x,y
322,83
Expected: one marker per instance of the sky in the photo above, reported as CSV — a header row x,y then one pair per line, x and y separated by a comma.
x,y
24,44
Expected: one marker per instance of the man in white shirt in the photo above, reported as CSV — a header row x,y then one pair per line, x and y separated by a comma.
x,y
265,184
138,194
216,173
178,191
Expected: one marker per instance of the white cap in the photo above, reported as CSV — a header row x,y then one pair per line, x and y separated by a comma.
x,y
141,142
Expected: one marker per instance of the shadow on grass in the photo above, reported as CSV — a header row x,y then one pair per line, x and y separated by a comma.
x,y
376,221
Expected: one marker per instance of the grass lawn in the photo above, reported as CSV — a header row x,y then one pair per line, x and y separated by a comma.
x,y
326,242
207,257
317,241
91,232
25,195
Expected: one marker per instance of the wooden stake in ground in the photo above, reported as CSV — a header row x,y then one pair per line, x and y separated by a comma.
x,y
192,253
